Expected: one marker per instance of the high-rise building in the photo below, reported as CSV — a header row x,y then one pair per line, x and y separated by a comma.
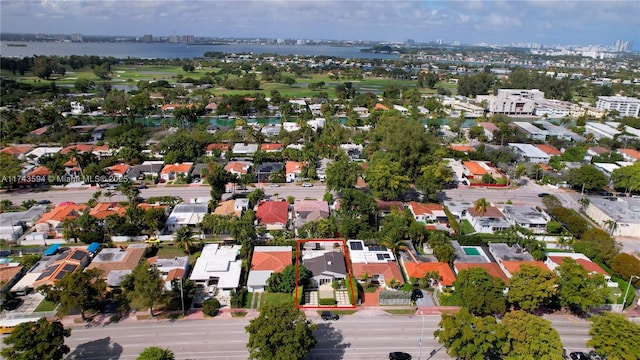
x,y
410,42
189,39
173,39
626,106
76,37
148,38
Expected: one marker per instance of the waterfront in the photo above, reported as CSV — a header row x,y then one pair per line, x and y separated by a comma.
x,y
181,51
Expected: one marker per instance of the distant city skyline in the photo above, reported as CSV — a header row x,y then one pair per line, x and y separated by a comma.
x,y
544,22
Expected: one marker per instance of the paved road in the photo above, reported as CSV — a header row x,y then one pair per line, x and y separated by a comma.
x,y
364,335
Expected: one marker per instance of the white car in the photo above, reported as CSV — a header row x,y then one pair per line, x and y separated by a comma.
x,y
307,184
274,185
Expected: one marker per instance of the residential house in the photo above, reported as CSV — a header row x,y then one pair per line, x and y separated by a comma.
x,y
530,153
556,259
510,267
427,213
171,269
271,147
549,149
321,169
116,263
99,131
185,214
218,269
418,270
306,211
66,262
118,171
51,222
198,172
531,131
216,148
174,171
227,208
474,171
102,210
292,170
11,223
527,217
489,129
630,154
386,207
378,263
600,130
10,273
488,222
245,149
71,168
17,151
461,148
273,214
510,258
265,261
34,155
265,171
560,132
40,175
326,267
491,268
238,167
146,169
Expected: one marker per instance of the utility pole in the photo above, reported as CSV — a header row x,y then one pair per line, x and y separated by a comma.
x,y
181,296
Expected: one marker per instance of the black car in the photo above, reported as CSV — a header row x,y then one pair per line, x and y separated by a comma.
x,y
44,202
12,304
579,355
543,194
398,355
417,294
328,315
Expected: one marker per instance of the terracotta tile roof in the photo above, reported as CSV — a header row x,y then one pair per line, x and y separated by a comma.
x,y
8,272
271,147
104,209
389,205
273,212
598,150
422,208
545,167
39,171
175,274
226,208
240,167
492,268
389,270
170,107
156,95
293,167
513,266
119,169
491,212
16,149
40,131
211,106
271,260
491,127
475,168
462,148
61,212
630,152
418,270
588,265
70,263
549,149
218,146
176,168
71,163
380,107
79,148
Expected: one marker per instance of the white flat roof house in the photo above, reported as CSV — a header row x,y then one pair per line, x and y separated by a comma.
x,y
532,131
218,266
600,131
185,214
530,153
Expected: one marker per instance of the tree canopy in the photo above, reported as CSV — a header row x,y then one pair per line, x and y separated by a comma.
x,y
579,290
81,290
285,282
530,337
156,353
144,285
42,340
531,287
280,332
615,336
470,337
589,175
481,293
385,178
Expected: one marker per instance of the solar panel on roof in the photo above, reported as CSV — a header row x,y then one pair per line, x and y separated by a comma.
x,y
69,267
78,255
387,256
380,256
48,271
355,246
60,275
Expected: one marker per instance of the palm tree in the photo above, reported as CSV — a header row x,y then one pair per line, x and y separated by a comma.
x,y
584,202
481,205
156,353
395,245
611,225
109,194
184,239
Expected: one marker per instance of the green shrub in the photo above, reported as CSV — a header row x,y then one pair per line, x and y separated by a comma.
x,y
210,307
300,295
327,302
352,289
390,294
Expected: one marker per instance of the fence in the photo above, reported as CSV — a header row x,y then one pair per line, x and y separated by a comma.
x,y
401,302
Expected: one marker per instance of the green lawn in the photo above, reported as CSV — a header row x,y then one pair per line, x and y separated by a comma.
x,y
169,251
45,305
401,311
248,300
275,298
340,312
467,228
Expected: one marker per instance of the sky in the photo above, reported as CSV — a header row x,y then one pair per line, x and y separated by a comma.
x,y
548,22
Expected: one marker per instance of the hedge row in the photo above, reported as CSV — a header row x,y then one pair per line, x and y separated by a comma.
x,y
390,294
327,302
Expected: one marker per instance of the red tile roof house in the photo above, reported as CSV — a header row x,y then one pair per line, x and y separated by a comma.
x,y
418,270
171,171
378,263
292,170
238,167
119,171
73,260
273,214
265,261
549,149
17,151
221,147
271,147
427,213
630,154
556,259
51,222
492,268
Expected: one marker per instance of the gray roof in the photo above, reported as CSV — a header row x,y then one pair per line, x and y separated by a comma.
x,y
462,257
332,261
269,167
524,214
28,217
624,211
502,251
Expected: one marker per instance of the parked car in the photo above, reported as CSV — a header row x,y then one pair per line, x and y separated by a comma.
x,y
543,195
417,294
328,315
12,304
307,184
274,185
579,355
44,202
398,355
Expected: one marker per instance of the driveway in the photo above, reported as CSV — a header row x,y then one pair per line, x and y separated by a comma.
x,y
426,300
